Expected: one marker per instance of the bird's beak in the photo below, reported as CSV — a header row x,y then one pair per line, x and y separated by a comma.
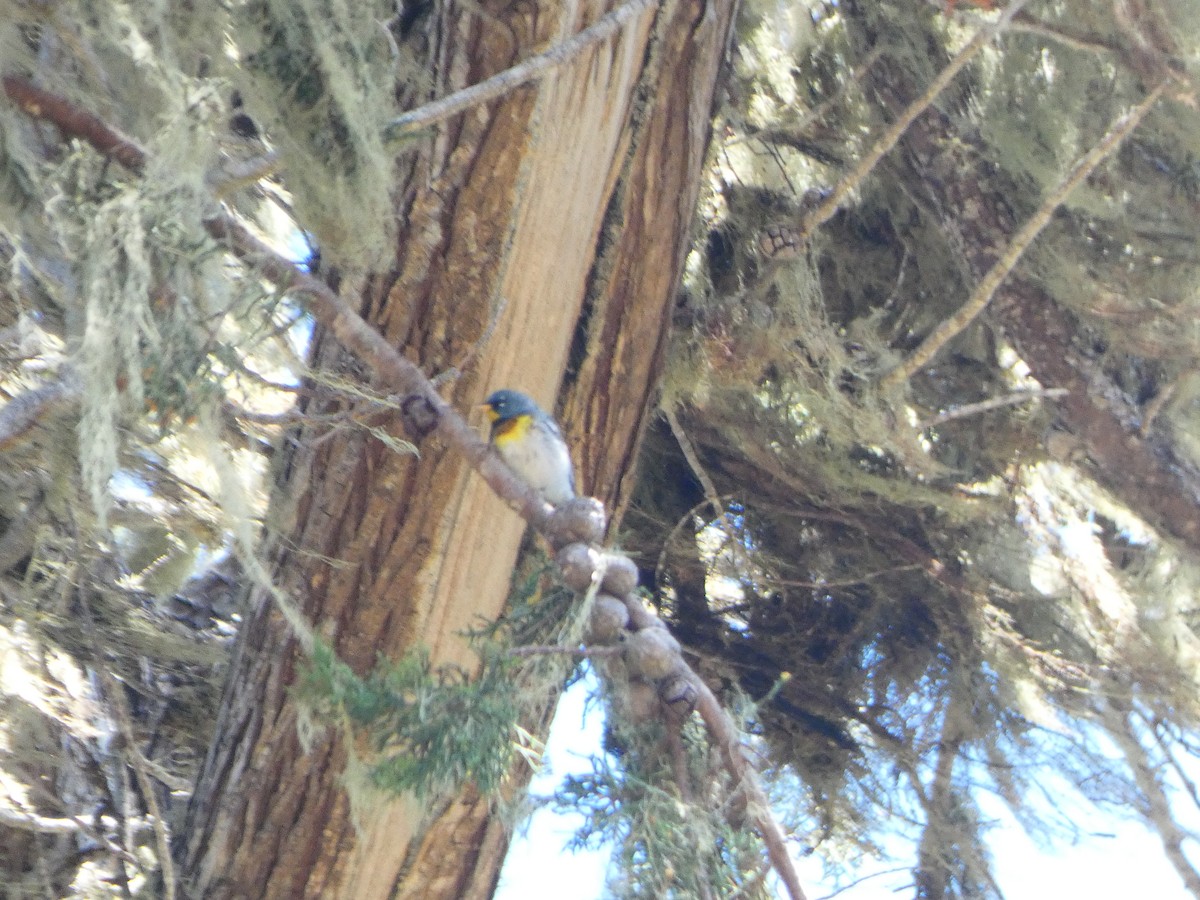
x,y
489,411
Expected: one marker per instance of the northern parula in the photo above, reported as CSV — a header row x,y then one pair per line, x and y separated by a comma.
x,y
530,441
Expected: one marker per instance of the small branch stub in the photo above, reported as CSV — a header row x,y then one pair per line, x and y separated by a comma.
x,y
579,520
609,620
652,653
620,575
579,564
678,692
419,415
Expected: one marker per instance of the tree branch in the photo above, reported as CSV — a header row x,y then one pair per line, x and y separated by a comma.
x,y
693,461
728,738
988,285
1157,811
971,409
535,67
889,138
31,821
74,122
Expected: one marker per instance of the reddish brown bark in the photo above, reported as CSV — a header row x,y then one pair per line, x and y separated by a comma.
x,y
74,121
1125,462
572,194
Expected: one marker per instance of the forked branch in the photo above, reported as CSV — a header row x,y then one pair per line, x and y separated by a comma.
x,y
892,135
990,283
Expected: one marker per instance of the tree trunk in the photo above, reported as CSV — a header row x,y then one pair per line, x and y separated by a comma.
x,y
571,199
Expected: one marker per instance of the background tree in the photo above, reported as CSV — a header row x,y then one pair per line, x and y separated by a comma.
x,y
955,554
924,486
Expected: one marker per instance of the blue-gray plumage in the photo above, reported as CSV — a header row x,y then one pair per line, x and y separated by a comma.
x,y
531,443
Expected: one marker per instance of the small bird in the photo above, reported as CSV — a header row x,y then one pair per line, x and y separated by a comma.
x,y
530,441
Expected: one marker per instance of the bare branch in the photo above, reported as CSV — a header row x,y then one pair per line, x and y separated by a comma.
x,y
728,739
74,122
531,69
17,816
693,461
988,285
551,650
972,409
400,374
1091,43
889,138
30,821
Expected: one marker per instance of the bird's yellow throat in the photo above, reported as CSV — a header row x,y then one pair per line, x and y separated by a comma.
x,y
512,429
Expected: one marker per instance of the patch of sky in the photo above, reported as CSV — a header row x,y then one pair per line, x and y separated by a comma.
x,y
539,865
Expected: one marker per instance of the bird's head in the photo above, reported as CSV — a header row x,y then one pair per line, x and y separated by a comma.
x,y
504,405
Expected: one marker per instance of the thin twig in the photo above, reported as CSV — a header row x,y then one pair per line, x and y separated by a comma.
x,y
94,829
856,76
842,582
1168,750
244,370
889,138
972,409
857,881
738,545
477,347
531,69
551,650
693,461
685,519
160,773
1020,242
790,134
1078,41
1153,408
